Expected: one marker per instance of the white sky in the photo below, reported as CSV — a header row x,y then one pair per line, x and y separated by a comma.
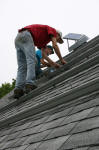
x,y
75,16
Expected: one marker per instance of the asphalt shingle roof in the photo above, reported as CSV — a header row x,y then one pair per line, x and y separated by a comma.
x,y
62,113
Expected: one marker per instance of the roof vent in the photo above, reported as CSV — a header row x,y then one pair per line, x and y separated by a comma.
x,y
78,38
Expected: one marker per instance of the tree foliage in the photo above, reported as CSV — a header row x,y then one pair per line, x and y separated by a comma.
x,y
6,88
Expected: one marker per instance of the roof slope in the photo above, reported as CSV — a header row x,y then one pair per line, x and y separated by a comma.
x,y
62,113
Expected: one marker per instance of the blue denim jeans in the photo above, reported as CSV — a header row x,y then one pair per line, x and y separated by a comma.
x,y
25,58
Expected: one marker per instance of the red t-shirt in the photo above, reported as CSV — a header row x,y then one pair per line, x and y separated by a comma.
x,y
40,33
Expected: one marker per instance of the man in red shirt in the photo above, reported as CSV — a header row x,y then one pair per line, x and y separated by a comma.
x,y
25,42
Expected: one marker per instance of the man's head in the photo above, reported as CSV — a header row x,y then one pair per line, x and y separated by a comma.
x,y
59,37
49,50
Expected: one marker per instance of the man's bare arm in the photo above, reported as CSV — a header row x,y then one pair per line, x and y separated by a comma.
x,y
57,50
49,60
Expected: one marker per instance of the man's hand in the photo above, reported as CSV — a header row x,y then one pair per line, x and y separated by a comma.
x,y
56,65
63,62
45,64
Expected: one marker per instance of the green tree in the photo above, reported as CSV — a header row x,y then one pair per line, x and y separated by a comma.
x,y
6,88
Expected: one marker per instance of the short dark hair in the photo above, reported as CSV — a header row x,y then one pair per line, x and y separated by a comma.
x,y
49,46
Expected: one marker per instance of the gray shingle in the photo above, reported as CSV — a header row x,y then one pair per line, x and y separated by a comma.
x,y
18,142
33,146
83,148
94,148
2,138
78,116
85,105
5,145
30,131
2,145
82,139
94,113
13,143
18,148
36,137
23,126
13,136
52,124
6,131
59,114
61,131
39,121
53,144
87,124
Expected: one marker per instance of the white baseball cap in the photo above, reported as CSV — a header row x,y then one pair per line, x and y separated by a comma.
x,y
60,34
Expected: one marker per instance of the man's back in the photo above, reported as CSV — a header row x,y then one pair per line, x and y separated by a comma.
x,y
40,33
38,56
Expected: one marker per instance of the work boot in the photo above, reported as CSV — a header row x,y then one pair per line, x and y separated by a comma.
x,y
29,88
18,93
